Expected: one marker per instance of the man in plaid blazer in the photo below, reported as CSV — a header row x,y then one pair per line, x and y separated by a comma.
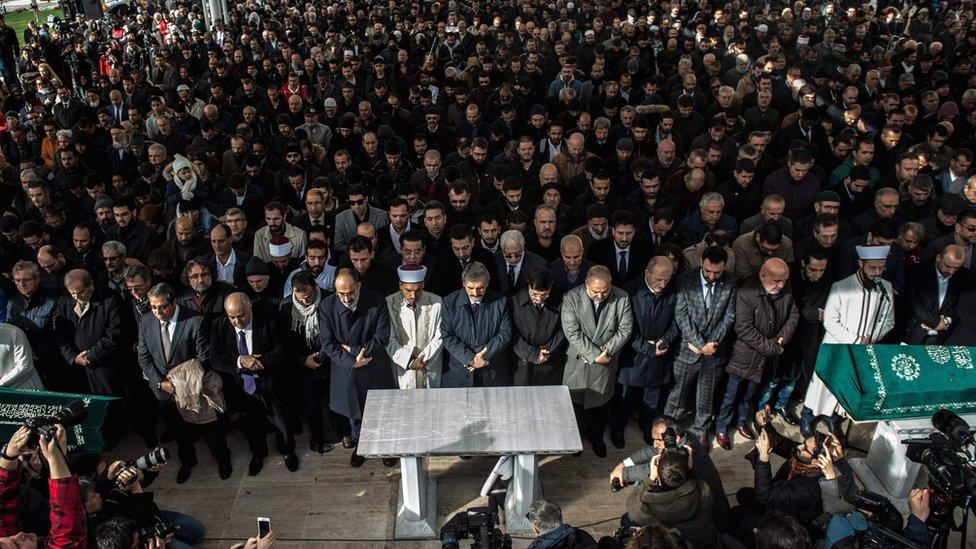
x,y
705,310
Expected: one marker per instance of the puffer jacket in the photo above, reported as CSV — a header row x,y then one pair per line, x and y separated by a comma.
x,y
687,508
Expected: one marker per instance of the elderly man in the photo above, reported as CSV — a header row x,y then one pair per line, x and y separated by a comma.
x,y
476,327
765,320
168,337
415,331
597,323
513,262
354,330
245,348
859,310
934,297
705,310
34,310
88,329
709,216
639,385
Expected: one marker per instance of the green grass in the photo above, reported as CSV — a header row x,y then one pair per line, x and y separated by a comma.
x,y
18,20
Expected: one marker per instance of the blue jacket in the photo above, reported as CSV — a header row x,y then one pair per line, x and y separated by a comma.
x,y
464,336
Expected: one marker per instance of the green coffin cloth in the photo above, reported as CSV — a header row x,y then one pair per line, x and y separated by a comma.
x,y
101,426
878,382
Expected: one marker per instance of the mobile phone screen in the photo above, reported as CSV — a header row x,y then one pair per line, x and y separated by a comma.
x,y
264,526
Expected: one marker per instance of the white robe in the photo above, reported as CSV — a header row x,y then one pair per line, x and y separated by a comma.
x,y
16,362
415,333
851,312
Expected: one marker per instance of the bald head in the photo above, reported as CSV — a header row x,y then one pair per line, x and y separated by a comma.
x,y
773,275
571,251
598,285
50,259
237,307
658,273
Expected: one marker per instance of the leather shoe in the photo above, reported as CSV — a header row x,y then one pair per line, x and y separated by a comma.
x,y
224,468
746,432
253,468
166,436
390,462
577,454
356,460
291,462
599,448
617,438
723,440
348,442
184,473
788,417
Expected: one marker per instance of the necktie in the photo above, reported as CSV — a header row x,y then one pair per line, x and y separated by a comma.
x,y
474,309
511,277
709,295
249,386
597,308
167,343
622,265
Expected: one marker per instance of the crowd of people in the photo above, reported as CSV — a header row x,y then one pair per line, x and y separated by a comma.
x,y
666,207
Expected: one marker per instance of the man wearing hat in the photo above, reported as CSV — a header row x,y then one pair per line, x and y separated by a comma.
x,y
317,132
943,220
415,331
859,311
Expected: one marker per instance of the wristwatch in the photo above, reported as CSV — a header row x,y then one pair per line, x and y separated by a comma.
x,y
3,454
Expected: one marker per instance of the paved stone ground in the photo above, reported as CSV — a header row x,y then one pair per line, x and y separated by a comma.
x,y
328,504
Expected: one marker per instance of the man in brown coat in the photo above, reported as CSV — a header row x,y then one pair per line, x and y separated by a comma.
x,y
765,318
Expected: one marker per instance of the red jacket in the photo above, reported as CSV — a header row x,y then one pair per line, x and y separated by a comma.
x,y
68,529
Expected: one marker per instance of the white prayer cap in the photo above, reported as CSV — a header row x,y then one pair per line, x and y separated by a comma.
x,y
872,252
412,273
279,246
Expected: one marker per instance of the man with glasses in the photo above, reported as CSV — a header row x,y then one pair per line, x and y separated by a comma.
x,y
168,337
359,212
963,235
32,309
114,255
513,263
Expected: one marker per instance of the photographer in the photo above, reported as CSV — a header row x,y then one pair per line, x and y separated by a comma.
x,y
672,497
551,532
843,530
116,490
813,468
67,512
637,466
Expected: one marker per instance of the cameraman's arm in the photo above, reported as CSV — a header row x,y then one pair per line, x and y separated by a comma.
x,y
10,476
68,527
637,465
915,529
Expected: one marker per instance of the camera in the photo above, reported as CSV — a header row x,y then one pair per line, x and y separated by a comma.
x,y
159,530
43,426
478,523
881,528
158,456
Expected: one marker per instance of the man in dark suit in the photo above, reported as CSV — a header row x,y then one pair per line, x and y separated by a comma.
x,y
569,271
476,328
354,327
450,263
652,298
138,239
705,310
88,329
168,337
230,264
513,262
626,262
934,297
202,294
245,349
241,193
540,346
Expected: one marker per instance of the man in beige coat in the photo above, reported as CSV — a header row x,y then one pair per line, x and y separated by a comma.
x,y
597,321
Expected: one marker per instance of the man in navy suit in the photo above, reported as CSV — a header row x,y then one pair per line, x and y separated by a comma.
x,y
569,271
354,328
513,262
476,328
625,261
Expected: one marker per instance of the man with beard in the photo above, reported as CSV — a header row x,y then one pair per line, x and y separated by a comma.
x,y
354,330
259,287
372,276
274,216
595,229
54,265
415,335
489,229
187,244
539,343
570,269
114,256
242,238
359,212
543,241
316,263
139,240
282,263
202,295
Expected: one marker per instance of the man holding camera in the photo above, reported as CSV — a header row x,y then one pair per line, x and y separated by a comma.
x,y
637,466
67,512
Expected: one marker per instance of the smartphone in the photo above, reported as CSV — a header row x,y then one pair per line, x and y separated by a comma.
x,y
264,527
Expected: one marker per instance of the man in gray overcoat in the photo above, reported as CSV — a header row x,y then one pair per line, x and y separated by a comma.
x,y
597,321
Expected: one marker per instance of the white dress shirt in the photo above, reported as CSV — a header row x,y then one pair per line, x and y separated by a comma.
x,y
225,272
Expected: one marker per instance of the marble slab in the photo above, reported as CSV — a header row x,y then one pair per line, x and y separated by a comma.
x,y
469,421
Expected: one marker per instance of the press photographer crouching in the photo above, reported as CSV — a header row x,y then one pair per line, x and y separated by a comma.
x,y
813,468
672,496
637,466
116,503
67,513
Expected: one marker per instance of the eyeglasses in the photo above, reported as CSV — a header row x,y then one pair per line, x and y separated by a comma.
x,y
359,202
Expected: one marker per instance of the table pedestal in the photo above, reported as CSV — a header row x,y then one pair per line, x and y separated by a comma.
x,y
523,489
416,502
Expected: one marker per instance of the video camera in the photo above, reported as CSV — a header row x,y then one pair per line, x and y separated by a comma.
x,y
159,530
478,523
952,473
43,426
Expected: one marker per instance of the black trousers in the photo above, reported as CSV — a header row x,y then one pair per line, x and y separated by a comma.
x,y
627,399
324,424
592,421
255,424
214,434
